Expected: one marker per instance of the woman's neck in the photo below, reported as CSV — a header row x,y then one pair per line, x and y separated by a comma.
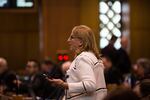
x,y
77,52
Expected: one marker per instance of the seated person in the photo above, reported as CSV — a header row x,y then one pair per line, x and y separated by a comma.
x,y
31,82
112,75
141,71
121,94
145,89
7,77
49,91
143,68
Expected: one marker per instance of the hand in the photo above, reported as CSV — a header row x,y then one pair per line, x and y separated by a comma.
x,y
55,81
58,82
17,82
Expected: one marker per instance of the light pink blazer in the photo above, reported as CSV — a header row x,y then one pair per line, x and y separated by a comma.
x,y
85,76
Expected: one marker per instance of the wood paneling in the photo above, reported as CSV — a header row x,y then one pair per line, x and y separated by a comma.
x,y
19,38
89,15
58,19
140,29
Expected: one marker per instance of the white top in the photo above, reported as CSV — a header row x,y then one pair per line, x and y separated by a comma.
x,y
85,77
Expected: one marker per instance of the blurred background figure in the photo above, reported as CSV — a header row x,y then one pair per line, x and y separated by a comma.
x,y
124,63
142,89
121,94
47,66
110,51
35,83
142,68
30,84
48,90
140,71
32,68
52,69
124,43
7,77
145,89
119,57
113,76
117,63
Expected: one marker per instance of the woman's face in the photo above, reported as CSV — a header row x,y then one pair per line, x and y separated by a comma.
x,y
74,43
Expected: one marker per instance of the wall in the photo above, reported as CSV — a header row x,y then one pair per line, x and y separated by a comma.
x,y
19,39
140,29
89,12
57,20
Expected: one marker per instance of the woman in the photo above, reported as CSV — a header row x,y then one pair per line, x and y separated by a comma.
x,y
85,76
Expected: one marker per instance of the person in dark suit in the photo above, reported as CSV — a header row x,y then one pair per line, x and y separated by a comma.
x,y
122,94
31,83
50,91
36,84
7,77
119,57
124,63
110,51
111,73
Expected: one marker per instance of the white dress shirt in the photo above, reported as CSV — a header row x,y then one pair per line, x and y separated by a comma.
x,y
85,76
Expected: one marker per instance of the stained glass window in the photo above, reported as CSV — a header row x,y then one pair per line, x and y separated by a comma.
x,y
16,3
110,17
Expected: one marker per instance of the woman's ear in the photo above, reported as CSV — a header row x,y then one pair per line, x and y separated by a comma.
x,y
81,43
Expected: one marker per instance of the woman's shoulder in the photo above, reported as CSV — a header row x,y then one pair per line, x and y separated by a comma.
x,y
85,54
88,56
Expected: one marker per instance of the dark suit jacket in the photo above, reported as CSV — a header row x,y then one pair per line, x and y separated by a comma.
x,y
6,79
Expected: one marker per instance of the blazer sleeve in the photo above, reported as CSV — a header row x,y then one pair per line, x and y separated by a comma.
x,y
87,83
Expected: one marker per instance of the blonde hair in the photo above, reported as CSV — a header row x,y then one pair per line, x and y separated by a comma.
x,y
86,35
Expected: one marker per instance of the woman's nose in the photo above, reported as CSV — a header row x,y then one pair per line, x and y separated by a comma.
x,y
68,39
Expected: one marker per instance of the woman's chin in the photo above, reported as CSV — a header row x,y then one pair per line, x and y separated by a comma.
x,y
71,49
